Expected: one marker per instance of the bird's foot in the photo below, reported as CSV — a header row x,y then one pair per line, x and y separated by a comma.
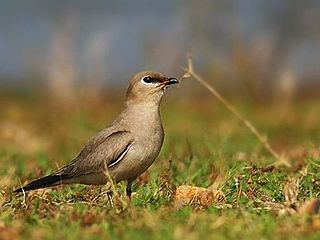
x,y
109,196
107,193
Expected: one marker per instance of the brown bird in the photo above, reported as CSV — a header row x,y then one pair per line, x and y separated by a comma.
x,y
127,147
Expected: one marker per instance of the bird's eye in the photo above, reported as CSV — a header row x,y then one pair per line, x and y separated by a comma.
x,y
148,80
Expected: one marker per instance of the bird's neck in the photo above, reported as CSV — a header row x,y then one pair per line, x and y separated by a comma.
x,y
141,114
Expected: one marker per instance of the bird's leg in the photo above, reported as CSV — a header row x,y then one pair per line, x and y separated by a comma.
x,y
108,192
128,189
109,196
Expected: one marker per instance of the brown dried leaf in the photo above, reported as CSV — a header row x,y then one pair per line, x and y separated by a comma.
x,y
310,207
196,196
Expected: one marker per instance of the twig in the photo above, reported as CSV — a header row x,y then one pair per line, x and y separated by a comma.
x,y
24,202
191,73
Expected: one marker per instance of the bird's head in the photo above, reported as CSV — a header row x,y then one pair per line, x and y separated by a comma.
x,y
148,86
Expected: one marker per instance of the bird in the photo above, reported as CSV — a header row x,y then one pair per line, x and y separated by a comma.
x,y
127,147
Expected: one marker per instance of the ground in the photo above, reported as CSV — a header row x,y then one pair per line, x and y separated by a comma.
x,y
205,146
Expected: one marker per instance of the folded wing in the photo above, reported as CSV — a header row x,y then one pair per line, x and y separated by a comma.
x,y
104,150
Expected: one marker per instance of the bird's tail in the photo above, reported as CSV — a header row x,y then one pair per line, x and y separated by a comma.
x,y
47,181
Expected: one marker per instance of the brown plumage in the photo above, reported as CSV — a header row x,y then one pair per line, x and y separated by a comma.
x,y
127,147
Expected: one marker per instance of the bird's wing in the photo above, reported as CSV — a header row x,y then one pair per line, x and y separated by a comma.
x,y
104,150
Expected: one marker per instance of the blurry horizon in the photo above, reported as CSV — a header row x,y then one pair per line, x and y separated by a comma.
x,y
101,42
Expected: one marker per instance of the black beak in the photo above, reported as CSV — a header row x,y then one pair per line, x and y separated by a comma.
x,y
170,81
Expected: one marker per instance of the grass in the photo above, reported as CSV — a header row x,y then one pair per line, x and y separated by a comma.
x,y
204,144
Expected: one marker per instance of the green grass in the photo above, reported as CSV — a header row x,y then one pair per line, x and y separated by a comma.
x,y
203,143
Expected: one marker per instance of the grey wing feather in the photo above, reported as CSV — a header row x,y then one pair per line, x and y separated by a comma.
x,y
104,150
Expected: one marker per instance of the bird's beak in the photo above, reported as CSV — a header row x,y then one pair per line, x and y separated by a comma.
x,y
170,81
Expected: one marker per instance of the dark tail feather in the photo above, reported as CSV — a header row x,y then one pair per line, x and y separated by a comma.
x,y
47,181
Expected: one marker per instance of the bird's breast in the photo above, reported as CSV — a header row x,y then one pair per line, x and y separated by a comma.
x,y
146,128
148,143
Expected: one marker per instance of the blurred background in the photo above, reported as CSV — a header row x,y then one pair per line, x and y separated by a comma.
x,y
263,47
64,66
